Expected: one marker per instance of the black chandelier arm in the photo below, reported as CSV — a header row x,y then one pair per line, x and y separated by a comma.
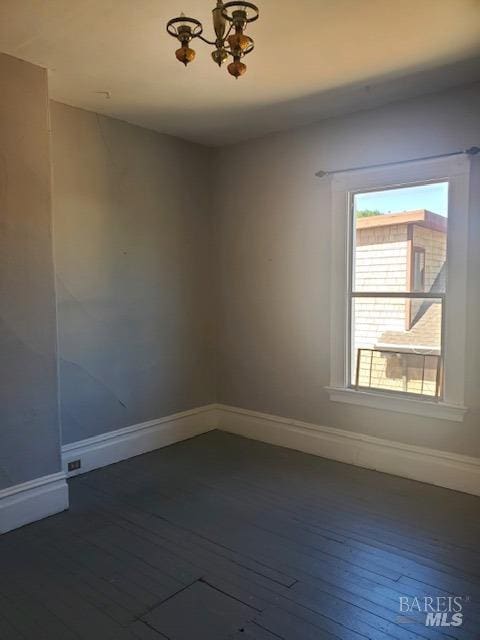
x,y
200,37
244,5
225,37
214,42
195,30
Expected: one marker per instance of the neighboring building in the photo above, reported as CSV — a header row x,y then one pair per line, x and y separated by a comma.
x,y
399,252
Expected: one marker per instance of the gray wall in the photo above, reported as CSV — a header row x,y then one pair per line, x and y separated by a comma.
x,y
29,431
164,296
146,307
273,235
132,227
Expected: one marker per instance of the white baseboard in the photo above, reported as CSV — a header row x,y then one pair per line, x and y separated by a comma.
x,y
32,500
453,471
136,439
42,497
441,468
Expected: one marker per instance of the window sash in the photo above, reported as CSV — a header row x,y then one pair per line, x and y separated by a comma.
x,y
408,294
420,356
352,370
441,295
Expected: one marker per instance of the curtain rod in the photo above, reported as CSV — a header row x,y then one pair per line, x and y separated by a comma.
x,y
472,151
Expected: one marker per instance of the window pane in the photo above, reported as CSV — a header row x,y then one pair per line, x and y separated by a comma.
x,y
396,344
394,226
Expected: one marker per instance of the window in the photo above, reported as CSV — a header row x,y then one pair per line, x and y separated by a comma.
x,y
398,257
399,287
417,282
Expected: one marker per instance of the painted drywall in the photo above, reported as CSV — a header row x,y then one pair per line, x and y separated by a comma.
x,y
132,228
273,238
29,429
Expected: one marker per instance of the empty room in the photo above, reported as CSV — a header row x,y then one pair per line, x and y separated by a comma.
x,y
239,320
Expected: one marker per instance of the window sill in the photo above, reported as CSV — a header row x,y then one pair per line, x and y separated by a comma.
x,y
389,402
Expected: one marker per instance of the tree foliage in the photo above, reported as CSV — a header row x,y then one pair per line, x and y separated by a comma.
x,y
367,213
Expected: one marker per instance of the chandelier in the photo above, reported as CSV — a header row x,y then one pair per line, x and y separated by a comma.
x,y
230,20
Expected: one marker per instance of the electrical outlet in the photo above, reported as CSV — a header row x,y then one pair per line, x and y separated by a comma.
x,y
74,465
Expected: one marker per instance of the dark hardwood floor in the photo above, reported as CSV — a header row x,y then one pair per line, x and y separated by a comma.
x,y
220,537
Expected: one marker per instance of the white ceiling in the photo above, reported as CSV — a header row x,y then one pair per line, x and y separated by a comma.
x,y
313,58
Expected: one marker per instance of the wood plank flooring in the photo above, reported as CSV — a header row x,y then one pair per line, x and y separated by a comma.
x,y
224,538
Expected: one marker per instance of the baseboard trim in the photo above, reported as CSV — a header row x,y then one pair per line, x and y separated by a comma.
x,y
450,470
33,500
136,439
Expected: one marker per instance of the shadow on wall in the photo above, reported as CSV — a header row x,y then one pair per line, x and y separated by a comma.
x,y
25,409
133,263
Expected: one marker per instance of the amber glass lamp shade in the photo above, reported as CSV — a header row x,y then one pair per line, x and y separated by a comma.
x,y
237,68
185,54
240,43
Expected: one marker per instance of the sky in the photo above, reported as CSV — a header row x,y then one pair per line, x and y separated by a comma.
x,y
433,197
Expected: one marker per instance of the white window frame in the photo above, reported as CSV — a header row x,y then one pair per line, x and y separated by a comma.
x,y
455,170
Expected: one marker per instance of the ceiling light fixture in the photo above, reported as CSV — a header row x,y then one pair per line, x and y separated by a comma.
x,y
230,41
